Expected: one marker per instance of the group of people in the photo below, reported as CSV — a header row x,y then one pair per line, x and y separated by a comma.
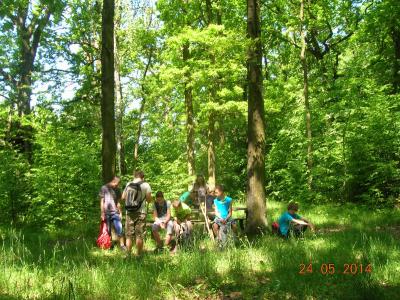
x,y
174,217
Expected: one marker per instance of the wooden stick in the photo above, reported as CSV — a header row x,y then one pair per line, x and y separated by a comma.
x,y
204,212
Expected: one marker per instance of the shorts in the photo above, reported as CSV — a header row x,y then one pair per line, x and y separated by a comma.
x,y
183,230
170,226
230,221
135,224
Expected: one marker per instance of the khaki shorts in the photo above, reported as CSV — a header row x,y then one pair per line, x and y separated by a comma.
x,y
135,225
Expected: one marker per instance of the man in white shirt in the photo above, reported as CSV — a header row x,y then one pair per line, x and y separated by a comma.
x,y
136,220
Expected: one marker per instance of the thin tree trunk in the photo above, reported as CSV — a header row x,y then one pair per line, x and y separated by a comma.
x,y
107,89
396,62
120,107
142,107
29,38
189,116
209,12
256,221
211,151
303,58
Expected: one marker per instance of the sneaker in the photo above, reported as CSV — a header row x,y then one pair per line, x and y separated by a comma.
x,y
158,250
123,248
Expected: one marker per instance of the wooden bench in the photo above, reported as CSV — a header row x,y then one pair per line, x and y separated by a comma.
x,y
197,217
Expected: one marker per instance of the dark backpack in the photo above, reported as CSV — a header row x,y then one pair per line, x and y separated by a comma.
x,y
134,197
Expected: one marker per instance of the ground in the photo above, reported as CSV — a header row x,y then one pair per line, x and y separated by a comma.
x,y
353,255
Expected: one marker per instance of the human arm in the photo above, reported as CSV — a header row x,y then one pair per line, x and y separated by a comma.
x,y
119,210
298,221
102,198
102,214
168,215
308,223
149,197
155,214
229,214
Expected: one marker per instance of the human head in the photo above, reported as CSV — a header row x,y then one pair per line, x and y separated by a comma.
x,y
176,203
114,182
293,207
212,192
159,196
219,190
200,181
139,174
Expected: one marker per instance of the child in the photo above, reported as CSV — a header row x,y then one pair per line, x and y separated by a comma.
x,y
180,212
162,220
189,198
223,210
291,223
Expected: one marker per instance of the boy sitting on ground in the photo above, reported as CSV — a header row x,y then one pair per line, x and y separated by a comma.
x,y
223,211
162,217
180,212
290,223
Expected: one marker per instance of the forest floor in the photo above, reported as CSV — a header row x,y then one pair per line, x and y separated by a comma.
x,y
354,254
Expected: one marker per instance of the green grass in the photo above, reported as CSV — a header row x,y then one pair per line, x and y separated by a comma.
x,y
67,265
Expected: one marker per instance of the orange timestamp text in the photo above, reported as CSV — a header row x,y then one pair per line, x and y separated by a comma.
x,y
331,268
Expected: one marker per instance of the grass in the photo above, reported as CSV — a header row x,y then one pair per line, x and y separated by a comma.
x,y
67,264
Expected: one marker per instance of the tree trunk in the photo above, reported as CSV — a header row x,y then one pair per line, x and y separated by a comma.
x,y
107,90
120,108
29,38
189,116
256,221
142,107
396,62
303,58
211,151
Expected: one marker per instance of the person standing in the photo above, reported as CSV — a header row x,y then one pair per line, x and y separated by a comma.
x,y
136,194
110,208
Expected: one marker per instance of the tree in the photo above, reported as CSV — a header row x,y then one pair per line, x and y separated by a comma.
x,y
107,90
28,19
256,124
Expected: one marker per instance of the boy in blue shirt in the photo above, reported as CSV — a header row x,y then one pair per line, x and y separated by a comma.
x,y
291,223
223,210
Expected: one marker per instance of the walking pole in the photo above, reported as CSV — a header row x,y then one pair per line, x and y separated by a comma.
x,y
206,219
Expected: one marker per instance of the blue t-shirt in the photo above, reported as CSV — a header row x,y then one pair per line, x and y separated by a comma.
x,y
284,222
223,206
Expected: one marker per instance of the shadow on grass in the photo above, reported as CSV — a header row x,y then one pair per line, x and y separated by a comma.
x,y
69,266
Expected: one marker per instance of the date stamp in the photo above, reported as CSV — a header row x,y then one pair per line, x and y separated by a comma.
x,y
331,268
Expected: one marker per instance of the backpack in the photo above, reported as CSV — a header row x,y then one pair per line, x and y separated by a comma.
x,y
275,228
134,197
103,240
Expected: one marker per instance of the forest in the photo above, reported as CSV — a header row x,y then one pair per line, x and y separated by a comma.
x,y
278,100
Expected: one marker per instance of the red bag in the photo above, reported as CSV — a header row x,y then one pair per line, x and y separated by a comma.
x,y
275,227
104,239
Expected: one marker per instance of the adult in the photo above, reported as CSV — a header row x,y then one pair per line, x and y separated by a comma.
x,y
136,218
110,208
162,220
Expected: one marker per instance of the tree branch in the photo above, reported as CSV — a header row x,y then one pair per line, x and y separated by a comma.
x,y
7,77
